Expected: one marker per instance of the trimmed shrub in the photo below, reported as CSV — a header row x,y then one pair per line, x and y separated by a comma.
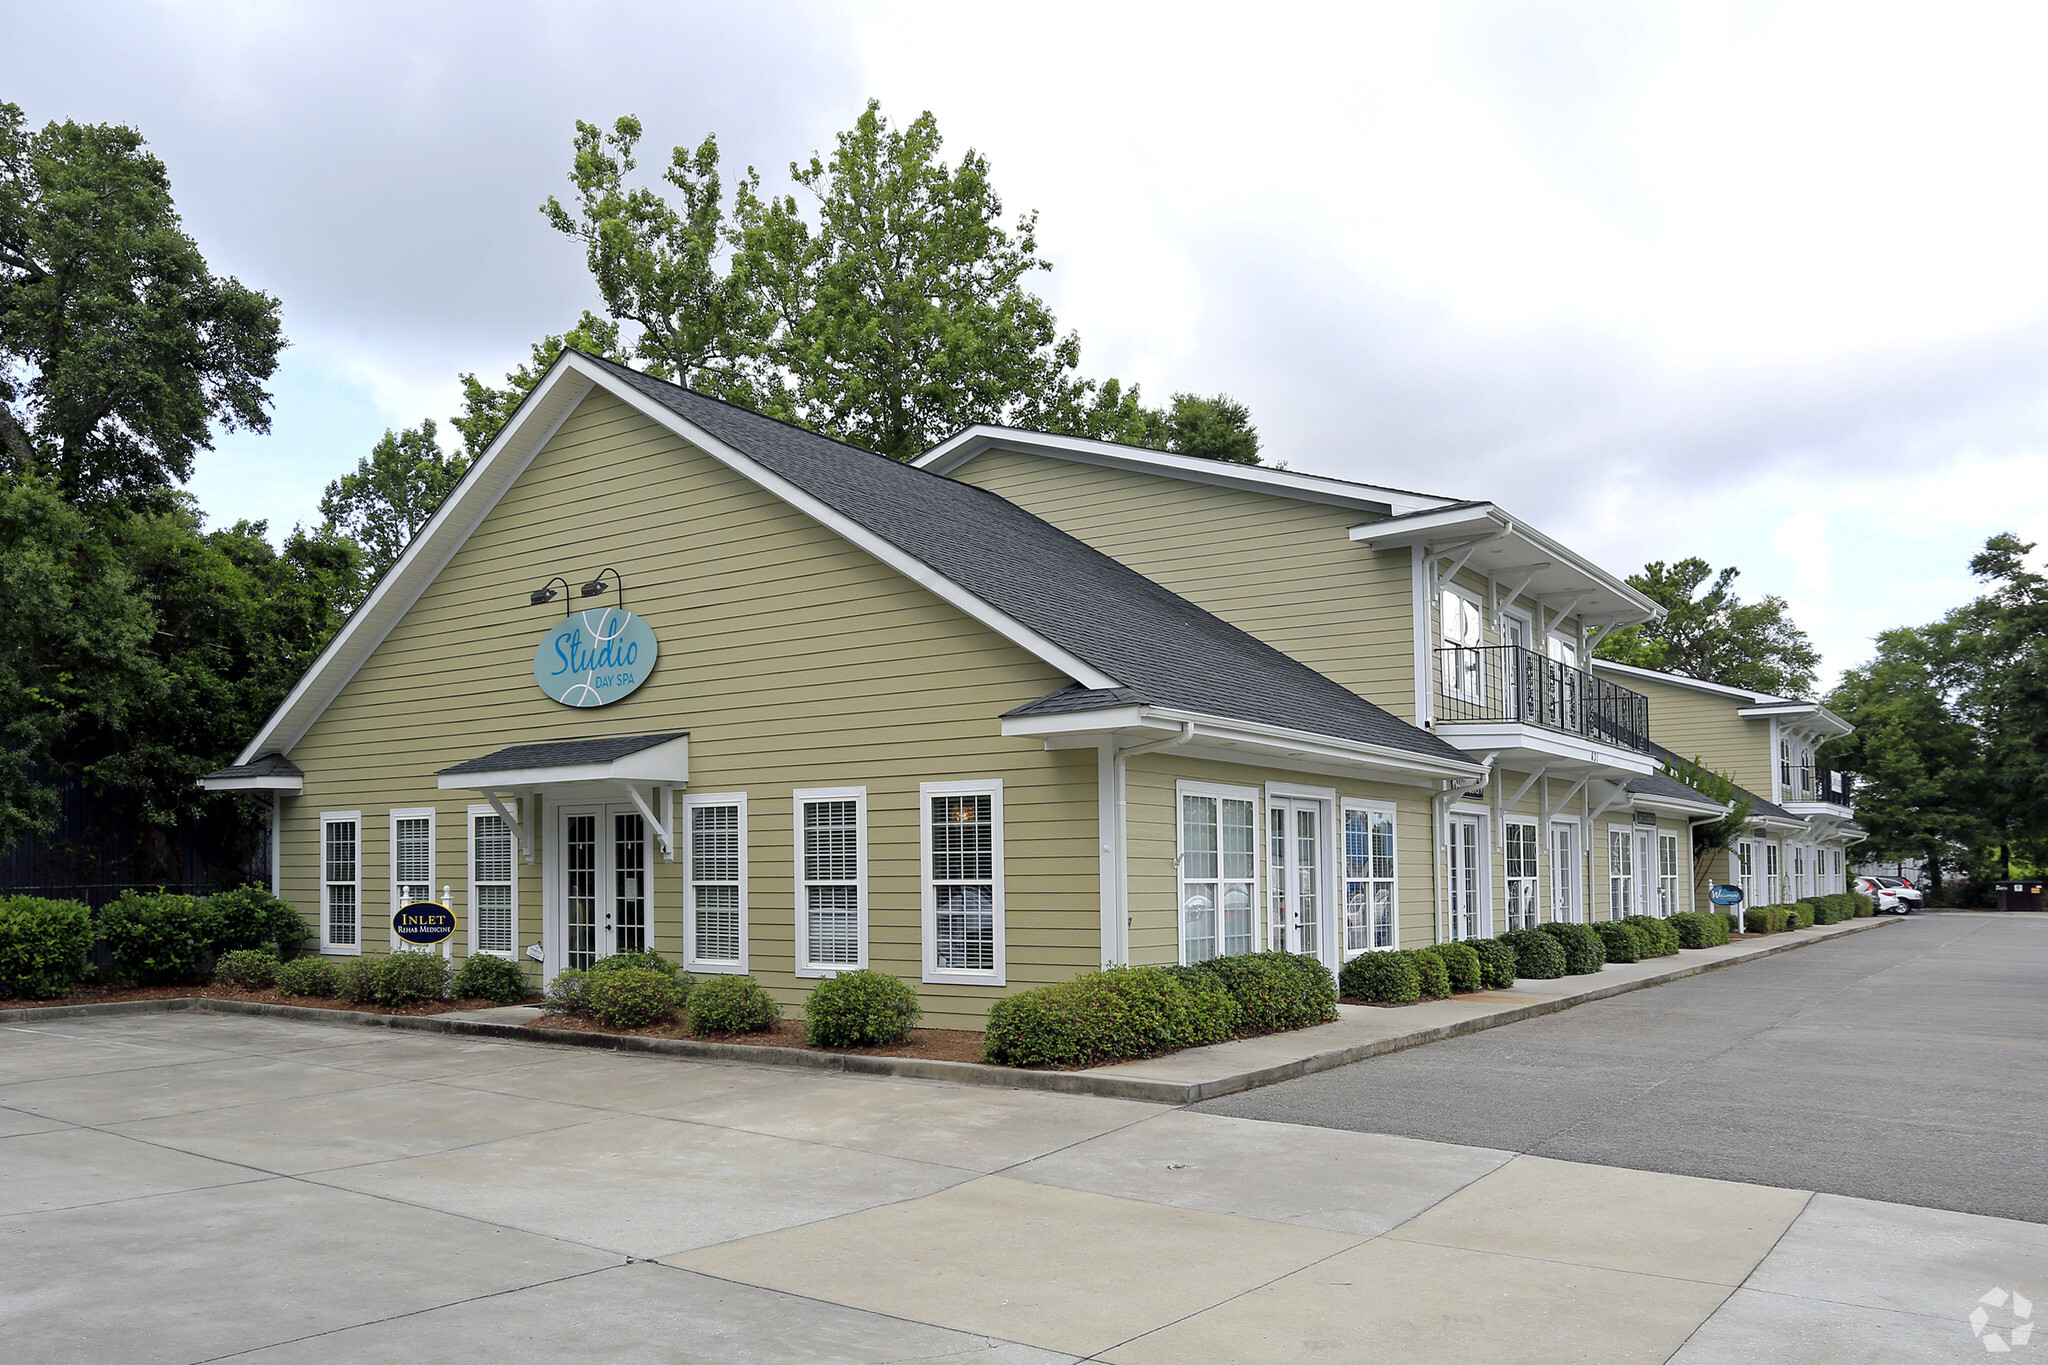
x,y
1496,964
1698,929
726,1005
1766,919
314,976
1801,914
566,993
860,1009
1827,910
250,917
1731,924
1381,978
1865,906
1275,991
1431,972
1659,938
45,946
1107,1015
252,969
1461,962
395,979
483,977
633,997
639,960
356,981
161,938
1584,953
1538,956
1623,942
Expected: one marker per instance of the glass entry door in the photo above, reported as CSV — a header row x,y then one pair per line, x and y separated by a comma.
x,y
1295,868
1468,878
1564,873
604,883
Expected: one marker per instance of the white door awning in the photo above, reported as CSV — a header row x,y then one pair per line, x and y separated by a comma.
x,y
645,769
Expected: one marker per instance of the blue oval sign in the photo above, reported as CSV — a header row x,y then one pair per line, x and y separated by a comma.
x,y
1725,894
423,923
594,657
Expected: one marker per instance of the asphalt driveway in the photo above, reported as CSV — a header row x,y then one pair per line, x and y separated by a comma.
x,y
1908,1065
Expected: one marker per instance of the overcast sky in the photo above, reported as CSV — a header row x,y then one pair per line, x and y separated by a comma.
x,y
1767,284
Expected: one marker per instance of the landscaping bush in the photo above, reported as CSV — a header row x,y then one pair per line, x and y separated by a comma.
x,y
1800,914
1381,979
860,1009
1765,919
483,977
1431,972
1461,961
250,917
1698,929
314,976
1623,942
251,969
160,938
1538,956
1496,964
634,997
45,946
639,960
1865,906
1103,1016
565,994
725,1005
1827,910
395,979
1275,991
1659,938
1584,953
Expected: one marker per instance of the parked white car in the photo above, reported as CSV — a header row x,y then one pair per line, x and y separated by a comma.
x,y
1894,895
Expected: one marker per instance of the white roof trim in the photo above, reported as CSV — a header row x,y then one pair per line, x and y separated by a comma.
x,y
1487,521
1761,704
663,765
533,424
1289,743
273,783
964,446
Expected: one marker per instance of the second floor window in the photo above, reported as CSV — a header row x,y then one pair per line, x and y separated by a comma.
x,y
1463,633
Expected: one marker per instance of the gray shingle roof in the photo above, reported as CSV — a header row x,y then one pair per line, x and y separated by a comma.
x,y
1668,787
263,765
1757,805
561,753
1165,650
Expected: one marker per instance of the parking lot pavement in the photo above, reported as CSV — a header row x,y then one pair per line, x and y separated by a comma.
x,y
190,1187
1908,1066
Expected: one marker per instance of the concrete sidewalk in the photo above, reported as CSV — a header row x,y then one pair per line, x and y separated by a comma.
x,y
188,1187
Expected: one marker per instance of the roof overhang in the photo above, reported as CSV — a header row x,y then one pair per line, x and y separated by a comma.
x,y
1703,809
1509,550
964,446
274,782
1237,741
568,770
1806,715
1522,746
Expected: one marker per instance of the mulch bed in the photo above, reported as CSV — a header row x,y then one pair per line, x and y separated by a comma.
x,y
932,1044
105,995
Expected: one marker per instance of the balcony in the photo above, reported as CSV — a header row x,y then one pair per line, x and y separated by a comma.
x,y
1817,784
1496,685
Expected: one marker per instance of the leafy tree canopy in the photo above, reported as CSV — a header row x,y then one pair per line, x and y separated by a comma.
x,y
119,348
1215,428
1711,634
1714,836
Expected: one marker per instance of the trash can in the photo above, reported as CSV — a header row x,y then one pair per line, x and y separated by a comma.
x,y
2021,895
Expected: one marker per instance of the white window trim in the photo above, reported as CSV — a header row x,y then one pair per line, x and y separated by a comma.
x,y
1392,812
798,798
992,788
1575,909
391,856
1635,871
1542,851
469,867
339,817
1483,863
686,854
1221,792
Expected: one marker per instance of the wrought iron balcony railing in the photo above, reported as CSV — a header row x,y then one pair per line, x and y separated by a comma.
x,y
1510,683
1820,783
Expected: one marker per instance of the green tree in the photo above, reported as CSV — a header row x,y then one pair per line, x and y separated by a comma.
x,y
1215,428
485,409
120,349
1711,634
1713,836
2008,698
391,493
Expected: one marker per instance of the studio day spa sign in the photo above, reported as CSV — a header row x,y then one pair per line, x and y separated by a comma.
x,y
594,657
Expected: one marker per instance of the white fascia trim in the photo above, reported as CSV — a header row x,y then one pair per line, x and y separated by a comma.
x,y
294,785
963,447
1487,519
1667,805
1485,736
1820,716
916,570
533,425
1300,743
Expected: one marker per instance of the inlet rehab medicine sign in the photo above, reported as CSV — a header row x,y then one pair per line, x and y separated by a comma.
x,y
423,924
594,657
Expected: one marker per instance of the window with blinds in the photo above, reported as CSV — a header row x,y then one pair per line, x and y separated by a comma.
x,y
491,895
412,857
960,880
831,879
717,886
340,883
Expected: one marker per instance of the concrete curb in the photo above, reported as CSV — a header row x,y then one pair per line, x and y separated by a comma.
x,y
917,1068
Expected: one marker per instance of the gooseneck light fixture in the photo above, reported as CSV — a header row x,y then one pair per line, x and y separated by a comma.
x,y
596,586
545,593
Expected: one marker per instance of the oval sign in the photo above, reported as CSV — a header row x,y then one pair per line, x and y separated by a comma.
x,y
594,657
423,923
1725,894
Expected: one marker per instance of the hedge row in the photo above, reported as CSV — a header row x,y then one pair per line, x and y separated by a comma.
x,y
159,939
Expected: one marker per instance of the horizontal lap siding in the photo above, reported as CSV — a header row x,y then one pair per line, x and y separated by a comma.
x,y
1701,725
794,659
1283,570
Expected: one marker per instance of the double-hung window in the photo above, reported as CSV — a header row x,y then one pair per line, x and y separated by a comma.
x,y
1667,874
1219,873
1522,860
492,891
1621,872
341,883
715,888
962,850
1370,907
412,861
1463,631
831,880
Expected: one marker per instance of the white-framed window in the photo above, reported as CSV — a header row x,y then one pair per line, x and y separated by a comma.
x,y
1798,872
1667,873
715,882
1219,870
1471,907
1564,871
412,862
1770,872
1745,871
962,852
1462,627
831,879
1621,871
341,882
493,884
1372,906
1522,860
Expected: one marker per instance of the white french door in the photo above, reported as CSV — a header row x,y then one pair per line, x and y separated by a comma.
x,y
1646,871
1521,859
1468,907
1565,864
1294,863
603,883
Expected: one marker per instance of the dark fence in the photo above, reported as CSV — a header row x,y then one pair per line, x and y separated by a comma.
x,y
1818,782
1511,683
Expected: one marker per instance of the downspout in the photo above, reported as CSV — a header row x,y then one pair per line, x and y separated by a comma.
x,y
276,844
1120,862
